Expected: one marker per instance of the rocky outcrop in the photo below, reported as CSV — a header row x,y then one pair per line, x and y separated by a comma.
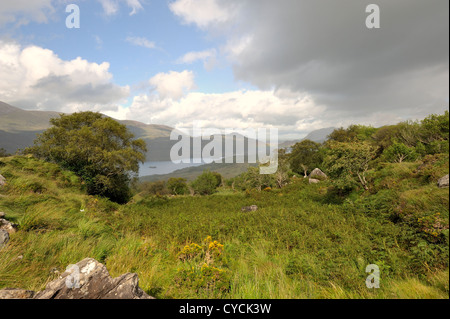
x,y
2,181
318,174
251,208
89,279
443,182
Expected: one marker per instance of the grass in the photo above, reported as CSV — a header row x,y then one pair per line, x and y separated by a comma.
x,y
299,243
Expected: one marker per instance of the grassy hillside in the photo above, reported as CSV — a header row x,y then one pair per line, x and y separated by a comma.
x,y
300,243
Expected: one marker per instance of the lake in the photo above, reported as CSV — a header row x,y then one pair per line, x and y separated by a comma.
x,y
158,168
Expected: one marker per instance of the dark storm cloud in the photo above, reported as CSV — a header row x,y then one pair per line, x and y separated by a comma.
x,y
325,49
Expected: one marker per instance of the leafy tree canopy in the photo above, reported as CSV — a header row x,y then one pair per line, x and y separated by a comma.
x,y
97,148
305,156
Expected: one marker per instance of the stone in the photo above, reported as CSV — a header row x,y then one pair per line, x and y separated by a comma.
x,y
318,174
2,215
4,237
2,181
8,226
314,181
89,279
443,182
11,293
251,208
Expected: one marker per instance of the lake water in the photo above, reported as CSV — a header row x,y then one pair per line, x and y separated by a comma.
x,y
158,168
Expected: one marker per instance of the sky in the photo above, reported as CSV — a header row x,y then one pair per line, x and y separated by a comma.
x,y
294,65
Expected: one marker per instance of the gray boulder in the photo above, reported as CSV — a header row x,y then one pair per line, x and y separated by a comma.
x,y
89,279
318,174
251,208
314,181
443,182
2,181
4,237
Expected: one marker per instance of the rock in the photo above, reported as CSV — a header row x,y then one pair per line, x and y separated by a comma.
x,y
8,226
90,279
443,181
2,215
251,208
2,181
314,181
318,174
10,293
4,237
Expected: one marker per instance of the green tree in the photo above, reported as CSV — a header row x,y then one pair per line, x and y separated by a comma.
x,y
253,179
219,178
205,184
435,127
283,171
352,133
177,186
97,148
348,163
399,152
305,156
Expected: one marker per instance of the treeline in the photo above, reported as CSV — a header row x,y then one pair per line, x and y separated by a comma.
x,y
349,153
106,156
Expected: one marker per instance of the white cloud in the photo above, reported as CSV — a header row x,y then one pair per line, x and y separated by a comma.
x,y
201,12
36,78
111,7
22,11
323,49
194,56
141,41
135,6
207,56
173,85
237,110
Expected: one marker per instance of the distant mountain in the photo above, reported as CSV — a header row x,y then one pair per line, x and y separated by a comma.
x,y
318,136
19,128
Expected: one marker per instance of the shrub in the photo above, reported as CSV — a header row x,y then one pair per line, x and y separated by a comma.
x,y
177,186
205,184
154,188
399,152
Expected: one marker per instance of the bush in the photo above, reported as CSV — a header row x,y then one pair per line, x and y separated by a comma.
x,y
399,152
206,183
177,186
154,188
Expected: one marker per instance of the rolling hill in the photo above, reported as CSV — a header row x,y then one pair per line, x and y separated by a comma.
x,y
18,129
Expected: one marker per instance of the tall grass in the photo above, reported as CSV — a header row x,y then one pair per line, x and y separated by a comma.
x,y
300,243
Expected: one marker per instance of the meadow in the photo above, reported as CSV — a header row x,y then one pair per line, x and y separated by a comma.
x,y
302,242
